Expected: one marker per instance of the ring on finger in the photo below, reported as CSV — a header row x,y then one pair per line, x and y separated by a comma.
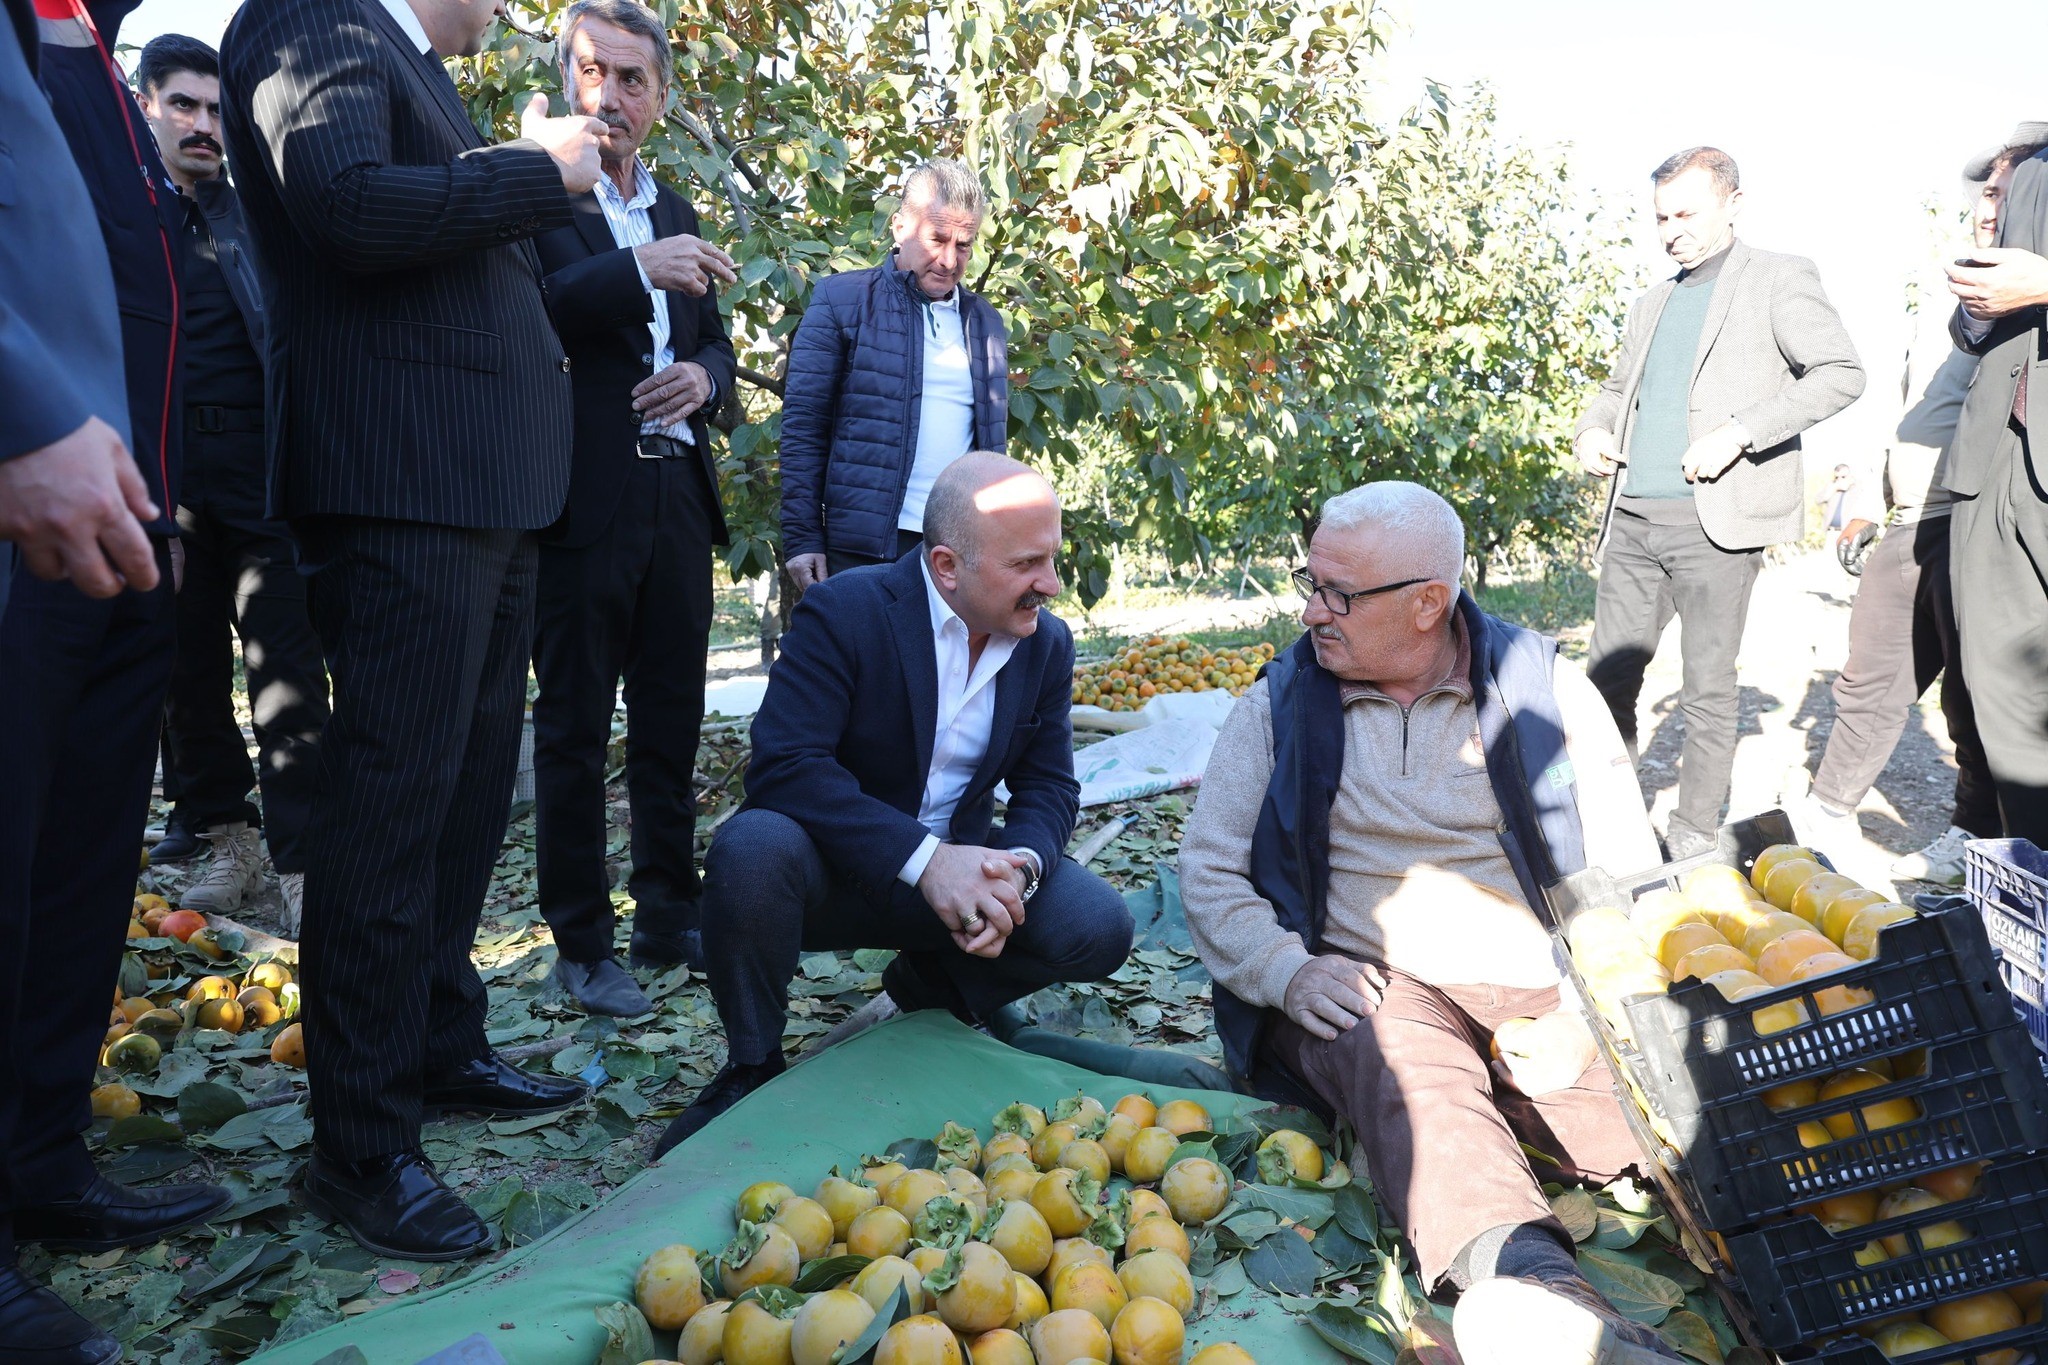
x,y
971,921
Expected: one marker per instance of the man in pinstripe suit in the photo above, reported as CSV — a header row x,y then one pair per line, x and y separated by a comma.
x,y
418,434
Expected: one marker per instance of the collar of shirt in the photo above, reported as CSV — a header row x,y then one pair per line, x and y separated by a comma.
x,y
949,632
643,189
1458,680
410,22
1707,271
932,308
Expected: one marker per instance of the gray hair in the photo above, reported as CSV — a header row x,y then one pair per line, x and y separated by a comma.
x,y
629,15
950,517
1419,529
1712,160
944,183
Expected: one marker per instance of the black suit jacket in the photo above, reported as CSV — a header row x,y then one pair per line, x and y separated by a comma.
x,y
843,741
411,372
593,292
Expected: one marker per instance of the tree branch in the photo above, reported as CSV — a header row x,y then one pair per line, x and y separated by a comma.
x,y
761,381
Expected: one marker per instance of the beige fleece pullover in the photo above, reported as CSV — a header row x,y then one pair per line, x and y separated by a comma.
x,y
1418,880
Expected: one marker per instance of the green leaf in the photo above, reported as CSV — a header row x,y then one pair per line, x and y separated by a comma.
x,y
205,1105
1578,1212
919,1154
1307,1207
1246,1228
828,1271
1283,1265
1340,1249
1690,1335
628,1339
530,1214
139,1128
1635,1293
1619,1229
862,1347
1359,1332
1356,1212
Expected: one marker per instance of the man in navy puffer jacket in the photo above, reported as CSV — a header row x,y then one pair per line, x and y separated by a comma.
x,y
895,372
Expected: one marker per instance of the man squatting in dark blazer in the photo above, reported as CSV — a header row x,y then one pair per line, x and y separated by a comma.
x,y
625,573
419,434
905,693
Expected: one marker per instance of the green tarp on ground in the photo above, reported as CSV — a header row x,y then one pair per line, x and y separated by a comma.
x,y
903,1079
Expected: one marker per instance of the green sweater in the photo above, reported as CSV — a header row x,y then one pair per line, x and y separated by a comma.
x,y
1662,428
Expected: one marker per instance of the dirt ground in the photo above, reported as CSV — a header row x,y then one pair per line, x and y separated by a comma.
x,y
1794,645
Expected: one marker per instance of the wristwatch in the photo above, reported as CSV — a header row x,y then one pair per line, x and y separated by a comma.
x,y
1037,873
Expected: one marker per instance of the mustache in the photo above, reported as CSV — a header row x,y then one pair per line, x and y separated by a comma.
x,y
200,140
1032,601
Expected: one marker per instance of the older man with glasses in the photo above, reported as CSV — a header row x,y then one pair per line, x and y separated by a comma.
x,y
1363,877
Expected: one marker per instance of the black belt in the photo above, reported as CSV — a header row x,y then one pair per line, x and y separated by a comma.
x,y
207,420
665,448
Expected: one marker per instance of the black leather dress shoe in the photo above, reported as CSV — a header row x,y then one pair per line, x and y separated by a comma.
x,y
492,1085
651,951
38,1328
733,1083
108,1214
394,1205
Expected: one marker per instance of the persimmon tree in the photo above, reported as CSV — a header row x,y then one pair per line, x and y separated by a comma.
x,y
1232,286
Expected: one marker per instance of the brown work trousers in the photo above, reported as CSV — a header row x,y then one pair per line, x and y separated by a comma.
x,y
1440,1132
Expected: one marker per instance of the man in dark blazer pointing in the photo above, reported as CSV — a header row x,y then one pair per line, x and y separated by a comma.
x,y
625,574
905,693
418,432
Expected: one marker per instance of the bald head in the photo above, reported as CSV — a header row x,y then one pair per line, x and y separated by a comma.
x,y
991,534
977,487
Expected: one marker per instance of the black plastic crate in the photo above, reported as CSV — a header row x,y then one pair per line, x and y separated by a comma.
x,y
1802,1282
1702,1068
2007,881
1857,1351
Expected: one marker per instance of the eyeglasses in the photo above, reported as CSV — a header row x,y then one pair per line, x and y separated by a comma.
x,y
1339,602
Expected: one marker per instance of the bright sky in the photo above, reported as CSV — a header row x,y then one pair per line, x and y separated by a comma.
x,y
1846,117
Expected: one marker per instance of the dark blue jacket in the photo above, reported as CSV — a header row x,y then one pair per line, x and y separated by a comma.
x,y
138,211
850,406
843,741
60,334
1523,738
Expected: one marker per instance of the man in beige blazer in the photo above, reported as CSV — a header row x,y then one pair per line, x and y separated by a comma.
x,y
1697,428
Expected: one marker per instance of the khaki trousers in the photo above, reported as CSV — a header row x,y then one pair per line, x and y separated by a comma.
x,y
1441,1134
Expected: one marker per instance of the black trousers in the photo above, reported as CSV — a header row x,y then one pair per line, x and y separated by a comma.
x,y
635,603
837,561
769,897
2000,562
241,573
1902,636
427,630
82,690
1649,573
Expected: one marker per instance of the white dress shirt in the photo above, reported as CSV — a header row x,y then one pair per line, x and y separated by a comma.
x,y
945,405
632,225
410,22
967,711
